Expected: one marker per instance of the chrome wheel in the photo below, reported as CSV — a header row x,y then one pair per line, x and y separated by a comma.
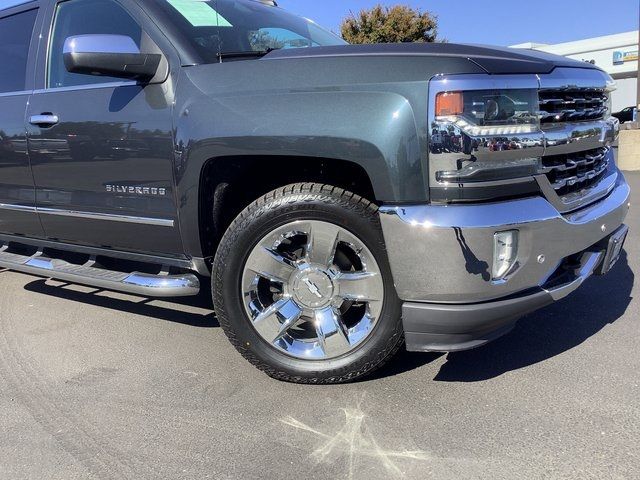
x,y
312,289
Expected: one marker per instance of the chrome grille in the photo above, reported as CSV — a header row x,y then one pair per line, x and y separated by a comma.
x,y
572,105
577,171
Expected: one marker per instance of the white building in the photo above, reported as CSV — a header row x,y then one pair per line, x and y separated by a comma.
x,y
616,54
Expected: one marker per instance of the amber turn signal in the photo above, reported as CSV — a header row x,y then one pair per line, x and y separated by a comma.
x,y
449,103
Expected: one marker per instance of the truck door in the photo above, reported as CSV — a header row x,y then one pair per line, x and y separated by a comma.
x,y
102,148
17,195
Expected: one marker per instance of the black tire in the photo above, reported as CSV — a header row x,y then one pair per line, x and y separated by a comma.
x,y
287,204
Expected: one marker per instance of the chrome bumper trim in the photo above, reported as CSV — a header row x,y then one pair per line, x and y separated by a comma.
x,y
443,253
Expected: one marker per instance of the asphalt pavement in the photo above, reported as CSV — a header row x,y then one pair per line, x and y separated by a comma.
x,y
103,385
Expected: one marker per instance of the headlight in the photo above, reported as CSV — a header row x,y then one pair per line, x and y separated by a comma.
x,y
491,128
490,112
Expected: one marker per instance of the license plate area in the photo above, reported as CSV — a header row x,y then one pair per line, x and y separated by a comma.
x,y
614,250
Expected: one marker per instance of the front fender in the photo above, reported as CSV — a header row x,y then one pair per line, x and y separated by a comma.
x,y
374,129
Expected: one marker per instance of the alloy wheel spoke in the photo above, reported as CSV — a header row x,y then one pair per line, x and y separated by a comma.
x,y
322,240
360,286
270,264
276,319
332,334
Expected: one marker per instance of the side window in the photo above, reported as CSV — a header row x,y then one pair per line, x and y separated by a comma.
x,y
85,17
15,37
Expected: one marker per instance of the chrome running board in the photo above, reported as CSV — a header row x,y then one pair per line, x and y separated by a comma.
x,y
145,284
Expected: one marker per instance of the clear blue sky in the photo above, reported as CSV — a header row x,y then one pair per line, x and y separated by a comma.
x,y
497,22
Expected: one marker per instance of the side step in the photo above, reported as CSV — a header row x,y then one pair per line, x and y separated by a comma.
x,y
144,284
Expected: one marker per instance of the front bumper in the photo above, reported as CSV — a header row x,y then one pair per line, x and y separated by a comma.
x,y
441,259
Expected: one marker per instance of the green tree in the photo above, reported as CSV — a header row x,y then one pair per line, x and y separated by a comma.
x,y
396,24
263,41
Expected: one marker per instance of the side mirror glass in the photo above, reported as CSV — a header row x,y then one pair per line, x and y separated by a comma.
x,y
110,55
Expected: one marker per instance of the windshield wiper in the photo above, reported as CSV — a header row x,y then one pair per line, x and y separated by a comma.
x,y
247,54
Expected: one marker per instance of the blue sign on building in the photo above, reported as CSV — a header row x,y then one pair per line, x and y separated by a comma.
x,y
619,57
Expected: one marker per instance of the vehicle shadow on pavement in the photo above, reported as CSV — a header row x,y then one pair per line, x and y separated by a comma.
x,y
550,331
538,336
140,306
403,362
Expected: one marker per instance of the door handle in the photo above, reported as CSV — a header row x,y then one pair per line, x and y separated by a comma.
x,y
44,120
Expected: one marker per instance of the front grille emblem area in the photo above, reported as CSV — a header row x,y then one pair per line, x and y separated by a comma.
x,y
136,190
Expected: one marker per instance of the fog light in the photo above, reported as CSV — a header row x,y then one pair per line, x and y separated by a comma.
x,y
505,253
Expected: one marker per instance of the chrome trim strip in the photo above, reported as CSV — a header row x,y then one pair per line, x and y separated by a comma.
x,y
572,137
485,215
160,222
483,81
488,183
574,78
17,208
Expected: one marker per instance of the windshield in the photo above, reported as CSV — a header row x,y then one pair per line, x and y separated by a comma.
x,y
242,26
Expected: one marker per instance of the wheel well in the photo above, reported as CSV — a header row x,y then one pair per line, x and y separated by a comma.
x,y
229,184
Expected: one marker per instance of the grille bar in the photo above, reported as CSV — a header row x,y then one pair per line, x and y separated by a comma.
x,y
574,105
570,173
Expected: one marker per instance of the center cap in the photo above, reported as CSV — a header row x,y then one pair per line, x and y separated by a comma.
x,y
312,288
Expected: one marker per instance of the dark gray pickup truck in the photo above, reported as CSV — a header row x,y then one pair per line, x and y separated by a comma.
x,y
343,199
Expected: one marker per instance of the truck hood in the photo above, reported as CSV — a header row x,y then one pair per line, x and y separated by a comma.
x,y
494,60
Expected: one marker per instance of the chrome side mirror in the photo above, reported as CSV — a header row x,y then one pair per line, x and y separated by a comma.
x,y
111,55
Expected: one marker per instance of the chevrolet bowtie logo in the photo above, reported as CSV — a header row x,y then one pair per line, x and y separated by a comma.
x,y
313,288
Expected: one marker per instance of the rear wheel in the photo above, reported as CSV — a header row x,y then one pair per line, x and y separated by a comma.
x,y
302,286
